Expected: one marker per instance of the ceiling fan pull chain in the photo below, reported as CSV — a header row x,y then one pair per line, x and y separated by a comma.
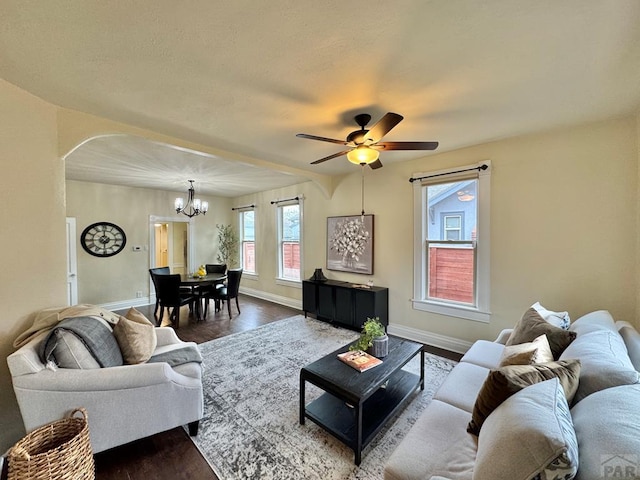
x,y
362,165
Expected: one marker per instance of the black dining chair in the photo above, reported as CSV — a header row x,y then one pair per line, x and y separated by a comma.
x,y
170,296
153,272
218,268
226,292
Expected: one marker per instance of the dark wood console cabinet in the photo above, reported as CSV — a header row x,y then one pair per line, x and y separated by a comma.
x,y
343,304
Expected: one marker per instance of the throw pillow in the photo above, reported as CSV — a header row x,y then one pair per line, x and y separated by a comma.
x,y
71,352
537,351
532,325
529,436
557,319
136,316
605,362
137,340
500,384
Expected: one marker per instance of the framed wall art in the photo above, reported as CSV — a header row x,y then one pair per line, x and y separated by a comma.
x,y
350,244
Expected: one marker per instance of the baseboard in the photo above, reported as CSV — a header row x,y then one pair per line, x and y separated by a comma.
x,y
429,338
270,297
122,304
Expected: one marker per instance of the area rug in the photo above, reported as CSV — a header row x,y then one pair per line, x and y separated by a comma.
x,y
251,426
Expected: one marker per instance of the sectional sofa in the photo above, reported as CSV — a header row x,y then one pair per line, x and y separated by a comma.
x,y
541,431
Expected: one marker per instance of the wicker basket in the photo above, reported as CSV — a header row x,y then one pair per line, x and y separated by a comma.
x,y
60,450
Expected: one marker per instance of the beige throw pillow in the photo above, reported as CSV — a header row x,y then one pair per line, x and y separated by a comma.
x,y
136,338
529,353
138,317
532,325
500,384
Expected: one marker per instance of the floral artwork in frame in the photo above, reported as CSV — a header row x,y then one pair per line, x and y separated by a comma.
x,y
350,244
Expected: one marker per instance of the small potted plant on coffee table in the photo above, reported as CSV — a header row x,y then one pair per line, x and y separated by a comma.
x,y
373,339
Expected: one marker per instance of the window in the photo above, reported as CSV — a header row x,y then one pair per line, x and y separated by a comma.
x,y
451,226
451,242
289,245
247,241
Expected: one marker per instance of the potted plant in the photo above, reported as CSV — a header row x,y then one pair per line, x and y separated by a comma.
x,y
373,339
227,245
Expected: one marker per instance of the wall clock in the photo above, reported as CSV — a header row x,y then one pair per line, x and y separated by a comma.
x,y
103,239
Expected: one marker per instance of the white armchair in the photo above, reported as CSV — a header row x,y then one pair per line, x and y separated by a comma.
x,y
124,403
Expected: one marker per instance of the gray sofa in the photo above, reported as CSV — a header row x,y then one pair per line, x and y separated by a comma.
x,y
605,414
124,403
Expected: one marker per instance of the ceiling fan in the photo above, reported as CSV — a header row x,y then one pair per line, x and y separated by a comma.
x,y
364,144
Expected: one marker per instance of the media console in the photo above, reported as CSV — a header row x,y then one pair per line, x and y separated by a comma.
x,y
344,303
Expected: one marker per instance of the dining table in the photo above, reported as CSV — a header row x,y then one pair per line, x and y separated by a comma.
x,y
198,286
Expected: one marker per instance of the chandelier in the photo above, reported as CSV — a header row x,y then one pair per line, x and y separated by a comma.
x,y
193,206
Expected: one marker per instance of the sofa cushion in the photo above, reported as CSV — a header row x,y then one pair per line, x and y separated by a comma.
x,y
532,325
484,353
594,321
513,446
136,338
631,339
605,362
557,319
537,351
436,446
504,382
607,424
462,385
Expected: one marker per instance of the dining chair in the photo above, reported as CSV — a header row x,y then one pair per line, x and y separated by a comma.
x,y
171,297
226,292
153,272
219,268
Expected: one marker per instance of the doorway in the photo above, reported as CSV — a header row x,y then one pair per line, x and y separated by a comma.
x,y
171,246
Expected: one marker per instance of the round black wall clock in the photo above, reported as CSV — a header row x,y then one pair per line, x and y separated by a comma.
x,y
103,239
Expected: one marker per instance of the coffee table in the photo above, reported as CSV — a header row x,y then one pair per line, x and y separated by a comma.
x,y
355,405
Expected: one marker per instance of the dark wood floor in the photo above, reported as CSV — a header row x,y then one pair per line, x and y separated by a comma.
x,y
171,455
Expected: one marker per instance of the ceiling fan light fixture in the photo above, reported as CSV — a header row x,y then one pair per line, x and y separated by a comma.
x,y
363,154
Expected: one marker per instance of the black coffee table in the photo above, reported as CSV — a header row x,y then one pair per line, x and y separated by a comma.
x,y
357,405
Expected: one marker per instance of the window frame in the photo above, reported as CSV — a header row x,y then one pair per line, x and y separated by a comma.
x,y
480,311
241,221
280,279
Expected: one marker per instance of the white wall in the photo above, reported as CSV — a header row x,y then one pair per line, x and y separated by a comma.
x,y
32,239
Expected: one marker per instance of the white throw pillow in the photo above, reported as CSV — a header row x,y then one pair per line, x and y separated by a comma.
x,y
557,319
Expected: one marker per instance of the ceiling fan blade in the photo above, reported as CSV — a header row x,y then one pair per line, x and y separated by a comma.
x,y
376,164
384,126
406,145
322,139
335,155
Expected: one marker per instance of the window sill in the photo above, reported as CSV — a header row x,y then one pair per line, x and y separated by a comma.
x,y
249,276
289,283
458,311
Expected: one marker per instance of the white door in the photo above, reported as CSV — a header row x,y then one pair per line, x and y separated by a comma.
x,y
72,263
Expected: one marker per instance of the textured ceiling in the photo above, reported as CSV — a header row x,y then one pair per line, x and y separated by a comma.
x,y
245,76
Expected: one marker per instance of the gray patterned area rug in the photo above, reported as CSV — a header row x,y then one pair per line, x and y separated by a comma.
x,y
251,426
